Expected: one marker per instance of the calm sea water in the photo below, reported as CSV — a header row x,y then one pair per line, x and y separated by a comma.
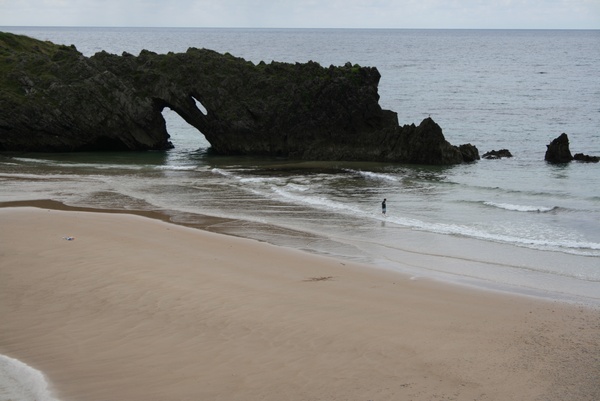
x,y
516,224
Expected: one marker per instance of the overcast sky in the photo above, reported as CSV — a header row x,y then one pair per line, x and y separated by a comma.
x,y
521,14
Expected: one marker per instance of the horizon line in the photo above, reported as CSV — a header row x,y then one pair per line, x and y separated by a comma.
x,y
297,28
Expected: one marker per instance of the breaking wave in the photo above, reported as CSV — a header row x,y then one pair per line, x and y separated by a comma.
x,y
521,208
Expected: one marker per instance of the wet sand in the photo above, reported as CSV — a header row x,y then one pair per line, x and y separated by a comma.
x,y
135,308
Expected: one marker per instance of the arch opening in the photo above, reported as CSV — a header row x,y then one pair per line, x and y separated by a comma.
x,y
200,106
183,135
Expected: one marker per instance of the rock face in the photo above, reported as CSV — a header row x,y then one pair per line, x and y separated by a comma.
x,y
558,151
52,98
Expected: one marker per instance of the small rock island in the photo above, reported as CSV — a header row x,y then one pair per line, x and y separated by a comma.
x,y
54,99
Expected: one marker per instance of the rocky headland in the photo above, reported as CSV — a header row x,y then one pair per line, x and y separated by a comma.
x,y
54,99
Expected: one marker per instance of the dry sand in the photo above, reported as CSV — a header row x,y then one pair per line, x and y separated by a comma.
x,y
135,309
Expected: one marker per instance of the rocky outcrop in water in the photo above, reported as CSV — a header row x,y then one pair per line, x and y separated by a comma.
x,y
52,98
558,152
586,158
497,154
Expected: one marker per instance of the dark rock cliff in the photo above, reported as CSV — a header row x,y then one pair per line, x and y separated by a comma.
x,y
52,98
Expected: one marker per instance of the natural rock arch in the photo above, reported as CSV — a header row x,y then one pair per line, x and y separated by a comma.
x,y
55,99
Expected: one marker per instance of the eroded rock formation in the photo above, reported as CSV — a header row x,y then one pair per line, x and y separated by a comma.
x,y
558,151
52,98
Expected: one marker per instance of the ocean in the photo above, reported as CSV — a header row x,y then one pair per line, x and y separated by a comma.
x,y
518,225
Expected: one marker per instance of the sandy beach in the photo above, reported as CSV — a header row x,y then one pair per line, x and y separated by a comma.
x,y
137,309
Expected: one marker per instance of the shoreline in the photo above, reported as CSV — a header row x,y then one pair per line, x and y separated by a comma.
x,y
421,261
192,314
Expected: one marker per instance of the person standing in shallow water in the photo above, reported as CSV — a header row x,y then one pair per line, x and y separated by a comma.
x,y
383,206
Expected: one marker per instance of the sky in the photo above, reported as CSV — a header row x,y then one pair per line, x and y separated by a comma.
x,y
426,14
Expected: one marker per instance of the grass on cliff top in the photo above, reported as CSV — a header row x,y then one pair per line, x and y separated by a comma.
x,y
21,55
11,43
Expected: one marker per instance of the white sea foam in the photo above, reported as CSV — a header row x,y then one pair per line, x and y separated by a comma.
x,y
297,187
520,208
320,202
20,382
177,168
564,245
376,176
258,180
97,166
51,177
222,172
31,160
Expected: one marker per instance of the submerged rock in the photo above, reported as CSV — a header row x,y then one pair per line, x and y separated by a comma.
x,y
586,158
52,98
497,154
